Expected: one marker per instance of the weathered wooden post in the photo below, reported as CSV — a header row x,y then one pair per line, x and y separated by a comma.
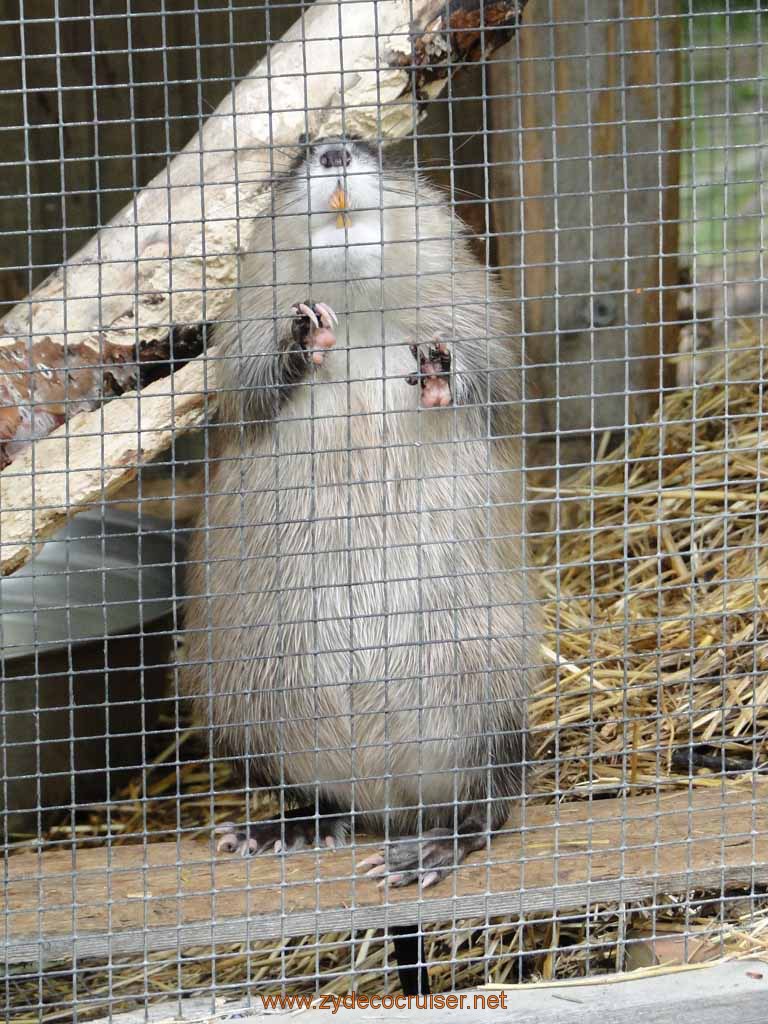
x,y
585,151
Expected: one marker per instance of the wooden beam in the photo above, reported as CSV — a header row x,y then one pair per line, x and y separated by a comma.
x,y
585,147
131,899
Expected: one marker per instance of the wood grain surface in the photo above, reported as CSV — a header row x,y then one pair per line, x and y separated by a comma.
x,y
170,895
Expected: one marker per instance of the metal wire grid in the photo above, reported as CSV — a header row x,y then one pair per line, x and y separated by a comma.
x,y
721,68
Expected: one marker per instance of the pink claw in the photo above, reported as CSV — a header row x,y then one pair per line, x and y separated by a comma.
x,y
327,314
330,842
376,872
373,861
307,311
390,880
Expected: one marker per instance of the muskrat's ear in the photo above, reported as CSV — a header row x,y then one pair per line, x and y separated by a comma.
x,y
303,139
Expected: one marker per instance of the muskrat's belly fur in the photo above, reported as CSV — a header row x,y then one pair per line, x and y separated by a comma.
x,y
362,631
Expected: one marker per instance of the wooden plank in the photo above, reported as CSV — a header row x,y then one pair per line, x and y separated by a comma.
x,y
586,165
128,899
683,997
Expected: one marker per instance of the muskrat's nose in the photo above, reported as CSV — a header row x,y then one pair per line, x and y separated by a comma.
x,y
336,156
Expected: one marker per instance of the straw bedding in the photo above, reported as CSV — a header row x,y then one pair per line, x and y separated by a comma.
x,y
654,576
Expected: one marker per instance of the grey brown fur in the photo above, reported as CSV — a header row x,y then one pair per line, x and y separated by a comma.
x,y
358,625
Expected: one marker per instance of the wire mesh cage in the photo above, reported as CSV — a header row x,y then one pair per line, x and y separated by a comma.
x,y
381,436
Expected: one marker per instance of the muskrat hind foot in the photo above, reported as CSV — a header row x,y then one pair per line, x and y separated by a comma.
x,y
426,858
434,373
313,329
298,830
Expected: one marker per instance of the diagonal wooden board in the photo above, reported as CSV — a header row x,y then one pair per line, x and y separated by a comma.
x,y
133,899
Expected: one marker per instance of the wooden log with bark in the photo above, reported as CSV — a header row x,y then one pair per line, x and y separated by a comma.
x,y
169,261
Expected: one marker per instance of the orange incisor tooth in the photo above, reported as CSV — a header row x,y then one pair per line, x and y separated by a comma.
x,y
339,202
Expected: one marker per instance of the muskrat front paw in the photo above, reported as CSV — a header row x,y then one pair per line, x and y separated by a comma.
x,y
313,329
433,374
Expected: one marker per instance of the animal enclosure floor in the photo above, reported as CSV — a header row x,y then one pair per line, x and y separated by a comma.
x,y
128,899
733,991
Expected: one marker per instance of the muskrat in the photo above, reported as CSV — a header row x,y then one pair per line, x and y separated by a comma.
x,y
360,630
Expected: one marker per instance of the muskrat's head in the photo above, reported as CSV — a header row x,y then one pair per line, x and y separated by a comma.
x,y
341,175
